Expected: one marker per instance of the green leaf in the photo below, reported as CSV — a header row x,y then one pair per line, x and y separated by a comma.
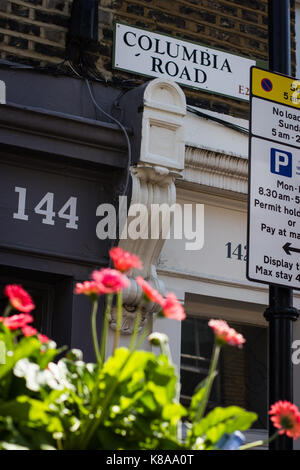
x,y
44,358
114,363
173,412
26,347
198,396
31,411
162,379
7,336
219,421
147,399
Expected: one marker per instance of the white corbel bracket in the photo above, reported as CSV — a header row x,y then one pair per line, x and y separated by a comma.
x,y
159,152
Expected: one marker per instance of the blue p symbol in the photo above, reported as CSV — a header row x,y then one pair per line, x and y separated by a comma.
x,y
281,162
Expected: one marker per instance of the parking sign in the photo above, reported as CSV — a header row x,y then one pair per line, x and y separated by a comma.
x,y
274,180
281,162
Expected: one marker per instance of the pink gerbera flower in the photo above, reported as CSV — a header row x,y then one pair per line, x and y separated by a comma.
x,y
110,281
225,334
43,338
28,330
172,308
19,298
16,321
124,261
150,293
89,288
286,417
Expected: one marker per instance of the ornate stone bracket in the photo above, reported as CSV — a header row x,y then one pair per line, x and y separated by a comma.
x,y
161,152
128,319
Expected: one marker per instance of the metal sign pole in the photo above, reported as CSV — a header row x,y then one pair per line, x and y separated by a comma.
x,y
281,312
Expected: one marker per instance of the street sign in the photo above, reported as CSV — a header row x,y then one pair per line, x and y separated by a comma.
x,y
275,121
274,180
275,87
148,53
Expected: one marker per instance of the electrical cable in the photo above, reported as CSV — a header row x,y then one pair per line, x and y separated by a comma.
x,y
124,192
72,67
236,127
91,72
121,127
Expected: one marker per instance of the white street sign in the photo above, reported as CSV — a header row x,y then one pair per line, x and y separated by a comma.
x,y
144,52
274,182
275,121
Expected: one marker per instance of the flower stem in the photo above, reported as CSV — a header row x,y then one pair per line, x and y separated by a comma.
x,y
258,443
59,444
210,379
105,327
165,349
94,330
119,320
105,405
142,337
135,331
7,310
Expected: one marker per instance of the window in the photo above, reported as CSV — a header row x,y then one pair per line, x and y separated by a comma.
x,y
242,378
42,294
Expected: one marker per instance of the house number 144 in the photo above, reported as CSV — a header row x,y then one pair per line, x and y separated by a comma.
x,y
45,208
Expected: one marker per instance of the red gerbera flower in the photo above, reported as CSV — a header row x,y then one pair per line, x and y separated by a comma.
x,y
150,293
110,281
225,334
124,261
16,321
286,417
19,298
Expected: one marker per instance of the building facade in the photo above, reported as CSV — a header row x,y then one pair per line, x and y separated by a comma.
x,y
62,157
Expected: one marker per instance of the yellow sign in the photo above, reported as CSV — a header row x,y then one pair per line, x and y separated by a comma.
x,y
275,87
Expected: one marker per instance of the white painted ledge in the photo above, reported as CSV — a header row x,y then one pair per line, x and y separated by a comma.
x,y
210,135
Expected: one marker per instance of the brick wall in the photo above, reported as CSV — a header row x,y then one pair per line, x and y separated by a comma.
x,y
33,32
234,377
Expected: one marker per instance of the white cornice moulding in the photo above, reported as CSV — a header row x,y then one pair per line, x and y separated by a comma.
x,y
186,193
203,277
216,170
